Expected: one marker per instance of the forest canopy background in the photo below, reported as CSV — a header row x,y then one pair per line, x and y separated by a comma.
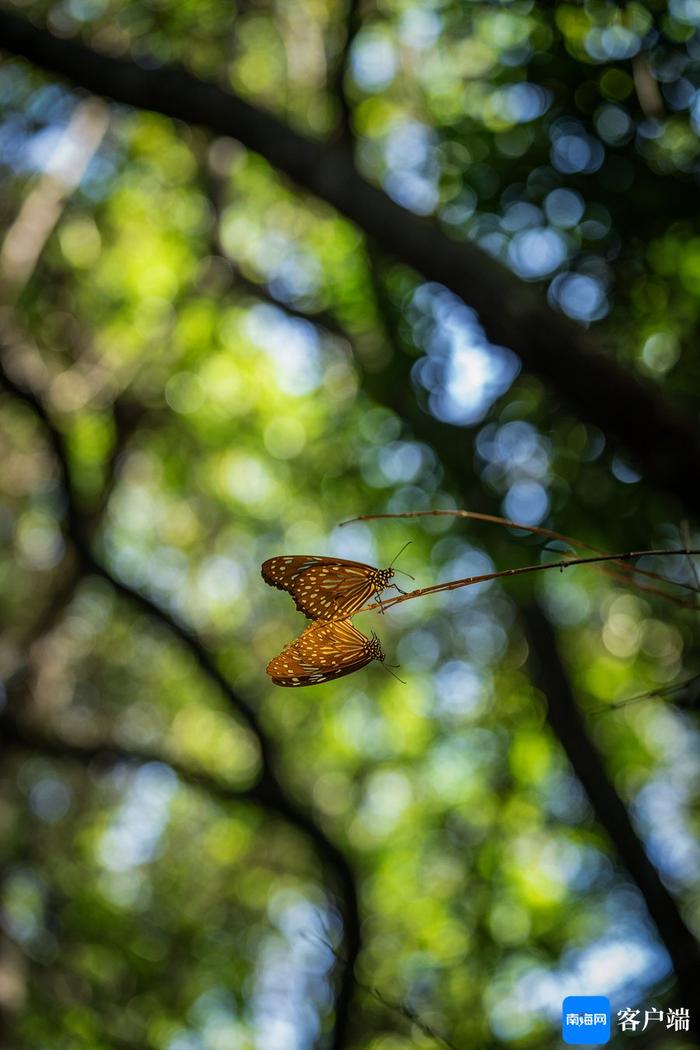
x,y
265,267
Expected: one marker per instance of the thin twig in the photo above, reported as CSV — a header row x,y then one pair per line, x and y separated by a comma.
x,y
395,1005
685,534
626,580
537,530
484,577
661,692
409,1013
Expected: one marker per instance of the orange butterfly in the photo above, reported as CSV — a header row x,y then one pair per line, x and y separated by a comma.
x,y
324,651
326,588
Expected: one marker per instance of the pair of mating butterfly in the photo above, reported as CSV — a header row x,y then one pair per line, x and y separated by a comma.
x,y
329,591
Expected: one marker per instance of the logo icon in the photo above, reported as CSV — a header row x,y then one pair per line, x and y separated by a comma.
x,y
585,1020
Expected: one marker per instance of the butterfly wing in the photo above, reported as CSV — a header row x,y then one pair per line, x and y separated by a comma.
x,y
322,588
323,652
281,572
334,590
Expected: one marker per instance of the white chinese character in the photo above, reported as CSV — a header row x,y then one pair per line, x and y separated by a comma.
x,y
678,1020
588,1019
628,1019
652,1015
572,1019
599,1019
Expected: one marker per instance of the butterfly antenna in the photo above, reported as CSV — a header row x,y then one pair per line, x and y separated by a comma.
x,y
388,667
405,574
400,553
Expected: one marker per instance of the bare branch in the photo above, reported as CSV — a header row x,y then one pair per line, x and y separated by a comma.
x,y
396,1006
683,694
469,581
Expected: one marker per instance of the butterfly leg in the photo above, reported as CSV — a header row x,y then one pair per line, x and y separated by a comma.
x,y
399,589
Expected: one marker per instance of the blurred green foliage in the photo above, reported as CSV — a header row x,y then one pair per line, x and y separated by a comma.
x,y
210,425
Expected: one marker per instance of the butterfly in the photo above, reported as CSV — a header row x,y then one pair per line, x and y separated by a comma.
x,y
326,588
324,651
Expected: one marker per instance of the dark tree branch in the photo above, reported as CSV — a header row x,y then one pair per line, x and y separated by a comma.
x,y
15,733
549,675
127,415
353,21
269,790
663,442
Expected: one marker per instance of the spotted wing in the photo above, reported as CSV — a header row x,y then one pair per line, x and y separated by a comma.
x,y
282,572
323,652
322,588
334,590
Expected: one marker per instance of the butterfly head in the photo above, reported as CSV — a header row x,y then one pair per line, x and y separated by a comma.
x,y
374,648
383,577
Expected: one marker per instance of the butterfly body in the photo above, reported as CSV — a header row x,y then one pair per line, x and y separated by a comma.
x,y
326,588
326,650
